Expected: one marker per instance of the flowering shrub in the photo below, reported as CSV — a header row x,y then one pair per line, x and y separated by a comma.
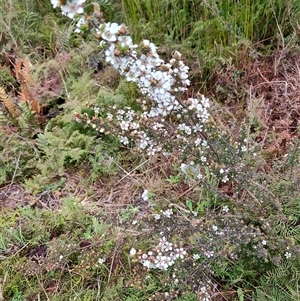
x,y
161,257
167,121
88,215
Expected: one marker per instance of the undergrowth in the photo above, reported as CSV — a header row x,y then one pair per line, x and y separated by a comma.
x,y
119,204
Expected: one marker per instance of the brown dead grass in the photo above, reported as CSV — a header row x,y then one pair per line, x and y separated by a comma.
x,y
109,195
266,88
14,195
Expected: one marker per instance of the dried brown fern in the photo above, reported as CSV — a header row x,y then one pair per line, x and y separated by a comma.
x,y
9,104
9,61
22,70
33,103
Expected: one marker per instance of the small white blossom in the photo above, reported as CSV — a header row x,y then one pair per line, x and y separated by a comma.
x,y
225,179
132,252
147,263
55,3
209,254
101,260
71,8
80,22
180,253
110,32
225,209
125,41
124,140
244,148
198,141
167,213
287,255
145,195
157,216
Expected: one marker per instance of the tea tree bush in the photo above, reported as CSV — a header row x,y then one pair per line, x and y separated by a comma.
x,y
169,124
143,189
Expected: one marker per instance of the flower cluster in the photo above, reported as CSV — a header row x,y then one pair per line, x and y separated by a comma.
x,y
70,8
141,64
162,85
167,213
161,256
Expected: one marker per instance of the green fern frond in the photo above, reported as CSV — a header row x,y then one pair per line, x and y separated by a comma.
x,y
27,114
42,142
3,118
63,37
27,120
281,283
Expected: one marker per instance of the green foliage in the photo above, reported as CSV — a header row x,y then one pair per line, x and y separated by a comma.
x,y
16,157
281,283
26,23
61,242
58,150
6,79
212,29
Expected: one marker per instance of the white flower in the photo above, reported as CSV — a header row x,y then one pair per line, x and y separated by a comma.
x,y
101,260
80,22
264,242
146,44
215,228
124,140
198,141
225,208
148,264
180,253
167,213
55,3
162,262
196,256
203,159
132,252
225,179
244,148
209,254
72,8
145,195
157,216
199,176
287,255
125,41
124,125
110,32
